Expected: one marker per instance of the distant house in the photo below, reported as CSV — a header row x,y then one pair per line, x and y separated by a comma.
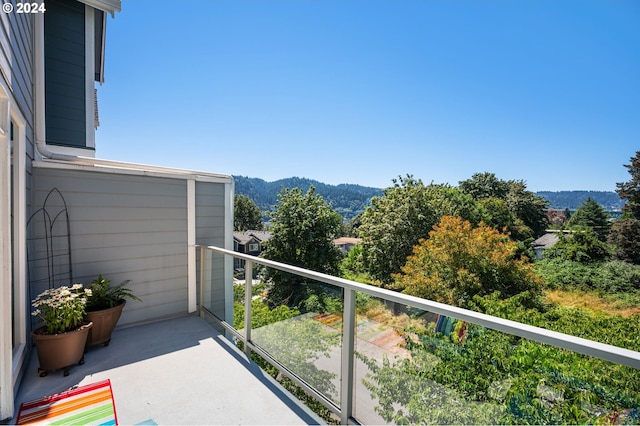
x,y
557,217
248,242
345,244
548,240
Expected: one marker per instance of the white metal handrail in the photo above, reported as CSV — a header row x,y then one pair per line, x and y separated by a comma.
x,y
588,347
599,350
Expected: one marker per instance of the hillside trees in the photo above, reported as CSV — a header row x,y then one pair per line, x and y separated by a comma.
x,y
625,233
303,227
404,214
246,214
460,261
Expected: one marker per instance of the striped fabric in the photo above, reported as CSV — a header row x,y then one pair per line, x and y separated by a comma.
x,y
86,405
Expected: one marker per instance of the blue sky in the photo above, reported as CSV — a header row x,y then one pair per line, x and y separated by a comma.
x,y
363,91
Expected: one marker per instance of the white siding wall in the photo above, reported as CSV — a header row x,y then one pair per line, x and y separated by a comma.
x,y
133,227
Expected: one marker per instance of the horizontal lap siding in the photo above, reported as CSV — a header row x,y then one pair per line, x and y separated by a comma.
x,y
126,227
16,64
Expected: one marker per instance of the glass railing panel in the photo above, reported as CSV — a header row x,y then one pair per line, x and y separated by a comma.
x,y
421,368
211,283
300,325
381,331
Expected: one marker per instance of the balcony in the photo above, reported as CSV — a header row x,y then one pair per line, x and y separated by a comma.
x,y
364,364
188,369
176,371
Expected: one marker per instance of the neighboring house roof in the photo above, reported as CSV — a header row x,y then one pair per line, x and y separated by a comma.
x,y
247,236
261,235
547,240
346,240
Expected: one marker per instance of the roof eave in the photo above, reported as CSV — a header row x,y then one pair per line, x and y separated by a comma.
x,y
108,6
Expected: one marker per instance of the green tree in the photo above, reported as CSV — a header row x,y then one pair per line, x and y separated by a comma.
x,y
485,185
404,214
496,213
246,214
459,261
625,232
351,227
593,215
625,239
528,209
630,190
303,229
582,245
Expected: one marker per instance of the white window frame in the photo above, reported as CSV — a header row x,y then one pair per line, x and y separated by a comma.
x,y
254,247
13,315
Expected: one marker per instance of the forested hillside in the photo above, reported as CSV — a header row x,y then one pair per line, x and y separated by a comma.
x,y
346,199
572,199
349,200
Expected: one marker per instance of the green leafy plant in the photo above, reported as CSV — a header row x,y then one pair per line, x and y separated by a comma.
x,y
61,309
105,296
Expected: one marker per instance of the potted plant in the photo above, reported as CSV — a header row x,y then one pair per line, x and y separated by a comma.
x,y
61,340
104,308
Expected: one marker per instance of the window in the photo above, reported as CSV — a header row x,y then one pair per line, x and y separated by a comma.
x,y
73,60
254,247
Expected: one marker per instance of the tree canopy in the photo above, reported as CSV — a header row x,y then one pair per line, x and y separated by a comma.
x,y
459,261
485,185
246,215
303,229
528,209
591,214
582,245
630,190
625,233
404,214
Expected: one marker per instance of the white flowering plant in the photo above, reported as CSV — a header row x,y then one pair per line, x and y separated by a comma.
x,y
61,309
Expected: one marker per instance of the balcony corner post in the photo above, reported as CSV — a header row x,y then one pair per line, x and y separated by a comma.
x,y
248,294
347,373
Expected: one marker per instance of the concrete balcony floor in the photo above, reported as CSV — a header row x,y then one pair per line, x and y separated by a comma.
x,y
178,371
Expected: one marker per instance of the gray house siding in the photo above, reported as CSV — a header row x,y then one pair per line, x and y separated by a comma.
x,y
16,65
17,80
124,227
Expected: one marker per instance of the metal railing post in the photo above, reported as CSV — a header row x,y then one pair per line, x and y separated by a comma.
x,y
248,295
347,373
202,255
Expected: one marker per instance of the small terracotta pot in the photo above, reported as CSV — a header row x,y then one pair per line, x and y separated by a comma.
x,y
104,321
62,350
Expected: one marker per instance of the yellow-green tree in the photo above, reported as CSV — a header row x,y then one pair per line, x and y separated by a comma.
x,y
459,261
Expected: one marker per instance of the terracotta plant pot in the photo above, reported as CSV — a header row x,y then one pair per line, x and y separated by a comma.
x,y
62,350
104,321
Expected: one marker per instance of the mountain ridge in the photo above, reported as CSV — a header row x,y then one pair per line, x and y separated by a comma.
x,y
350,199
